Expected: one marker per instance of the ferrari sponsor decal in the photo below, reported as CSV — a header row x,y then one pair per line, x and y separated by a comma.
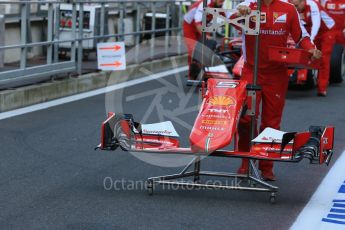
x,y
315,12
330,6
163,128
273,32
217,110
222,101
160,141
212,128
262,18
279,17
271,139
216,113
160,132
269,135
215,116
227,84
266,149
214,122
325,141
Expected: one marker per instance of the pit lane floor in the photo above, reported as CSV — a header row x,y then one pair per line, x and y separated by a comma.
x,y
51,178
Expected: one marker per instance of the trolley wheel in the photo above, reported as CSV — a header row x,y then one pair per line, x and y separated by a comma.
x,y
149,188
273,198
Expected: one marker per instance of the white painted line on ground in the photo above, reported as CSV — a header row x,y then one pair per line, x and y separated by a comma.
x,y
321,203
92,93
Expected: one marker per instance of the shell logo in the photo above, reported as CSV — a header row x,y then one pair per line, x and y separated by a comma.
x,y
222,100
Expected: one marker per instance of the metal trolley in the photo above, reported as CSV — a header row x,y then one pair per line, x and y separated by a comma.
x,y
253,178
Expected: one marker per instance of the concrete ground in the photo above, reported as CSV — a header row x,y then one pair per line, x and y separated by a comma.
x,y
51,178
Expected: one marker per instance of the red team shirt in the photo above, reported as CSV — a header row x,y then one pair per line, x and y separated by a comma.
x,y
336,8
278,20
194,15
316,19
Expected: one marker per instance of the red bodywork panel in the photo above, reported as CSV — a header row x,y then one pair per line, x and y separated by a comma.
x,y
292,60
272,151
219,114
302,75
155,142
237,70
292,57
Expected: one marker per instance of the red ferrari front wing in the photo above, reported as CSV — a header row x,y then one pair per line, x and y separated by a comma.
x,y
119,130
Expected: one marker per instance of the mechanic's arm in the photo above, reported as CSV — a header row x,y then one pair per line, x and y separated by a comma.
x,y
242,9
315,19
301,37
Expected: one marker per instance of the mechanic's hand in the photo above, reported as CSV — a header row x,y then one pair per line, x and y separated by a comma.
x,y
243,11
316,54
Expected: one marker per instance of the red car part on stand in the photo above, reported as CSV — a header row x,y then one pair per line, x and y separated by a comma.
x,y
217,120
222,107
292,57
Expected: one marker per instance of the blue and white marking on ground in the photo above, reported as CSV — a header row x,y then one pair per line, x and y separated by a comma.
x,y
326,208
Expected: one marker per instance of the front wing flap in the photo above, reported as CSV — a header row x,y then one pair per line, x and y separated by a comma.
x,y
119,130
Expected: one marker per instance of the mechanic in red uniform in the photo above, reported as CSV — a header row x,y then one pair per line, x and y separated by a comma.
x,y
336,8
322,29
278,20
192,24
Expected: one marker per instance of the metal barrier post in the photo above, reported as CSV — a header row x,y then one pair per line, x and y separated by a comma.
x,y
102,20
80,37
122,23
137,36
50,33
56,33
74,32
2,40
167,25
180,25
23,34
153,28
